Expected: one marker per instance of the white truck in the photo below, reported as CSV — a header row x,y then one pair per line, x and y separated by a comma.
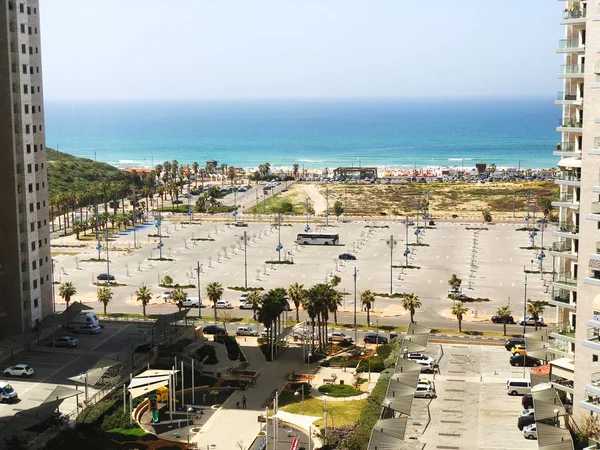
x,y
83,319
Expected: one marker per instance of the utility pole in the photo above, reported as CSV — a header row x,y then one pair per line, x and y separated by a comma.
x,y
245,261
134,226
355,328
327,206
279,246
198,270
525,305
107,260
391,242
160,242
307,226
407,251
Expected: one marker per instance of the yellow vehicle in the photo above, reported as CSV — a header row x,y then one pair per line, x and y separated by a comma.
x,y
519,349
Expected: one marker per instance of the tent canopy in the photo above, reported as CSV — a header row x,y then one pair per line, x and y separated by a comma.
x,y
388,434
553,438
569,163
149,381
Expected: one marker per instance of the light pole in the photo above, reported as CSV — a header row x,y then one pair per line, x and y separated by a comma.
x,y
525,306
279,246
307,226
188,199
53,307
355,328
160,242
107,259
327,206
308,359
391,242
369,359
245,238
298,393
134,225
198,270
542,255
407,251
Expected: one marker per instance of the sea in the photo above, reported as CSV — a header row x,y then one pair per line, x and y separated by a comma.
x,y
393,133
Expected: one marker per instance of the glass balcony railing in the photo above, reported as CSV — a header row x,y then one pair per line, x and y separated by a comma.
x,y
568,227
566,96
566,197
572,69
568,43
565,278
564,329
595,274
595,208
565,147
570,122
562,247
574,14
568,176
593,335
560,345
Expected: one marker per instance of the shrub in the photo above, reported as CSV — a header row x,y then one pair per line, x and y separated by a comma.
x,y
339,390
207,350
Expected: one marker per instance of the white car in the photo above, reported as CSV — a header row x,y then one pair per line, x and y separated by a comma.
x,y
245,305
190,302
338,336
530,432
223,304
427,362
246,331
19,370
424,390
167,295
527,412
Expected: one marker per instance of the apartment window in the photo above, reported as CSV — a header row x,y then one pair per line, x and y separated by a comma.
x,y
35,302
31,207
31,70
34,265
35,284
40,243
37,186
42,281
40,127
35,30
31,50
43,184
23,246
23,49
22,7
27,131
35,10
39,226
42,165
10,6
38,89
44,203
37,50
34,148
32,226
13,68
25,288
23,28
24,69
44,222
37,69
34,128
28,147
30,187
38,205
29,10
41,261
47,277
26,109
45,241
594,358
23,267
32,245
46,260
25,89
36,167
29,30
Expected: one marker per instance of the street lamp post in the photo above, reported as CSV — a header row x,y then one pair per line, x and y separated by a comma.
x,y
198,270
407,251
245,238
307,226
298,393
391,242
134,226
542,255
279,246
369,359
355,328
327,206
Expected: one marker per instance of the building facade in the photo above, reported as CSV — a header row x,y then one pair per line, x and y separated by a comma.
x,y
25,263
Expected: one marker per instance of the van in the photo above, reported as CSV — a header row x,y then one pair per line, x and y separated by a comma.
x,y
7,393
518,386
83,319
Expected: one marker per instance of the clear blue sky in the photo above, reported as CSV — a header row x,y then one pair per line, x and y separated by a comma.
x,y
190,49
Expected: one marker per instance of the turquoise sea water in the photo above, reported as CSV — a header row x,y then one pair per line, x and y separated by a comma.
x,y
316,133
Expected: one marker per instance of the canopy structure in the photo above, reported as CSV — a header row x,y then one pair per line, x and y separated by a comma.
x,y
62,393
553,438
164,320
569,163
149,381
563,367
388,434
540,375
17,341
97,371
67,315
30,417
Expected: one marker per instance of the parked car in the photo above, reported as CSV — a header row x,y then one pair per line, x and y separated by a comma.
x,y
105,277
510,343
518,386
424,391
519,350
338,336
240,224
192,302
347,257
66,341
19,370
246,331
498,319
213,329
427,362
374,338
530,322
524,361
222,304
88,329
245,305
456,295
528,412
167,295
7,393
527,401
530,432
524,421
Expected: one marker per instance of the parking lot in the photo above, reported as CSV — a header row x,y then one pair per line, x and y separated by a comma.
x,y
54,367
472,409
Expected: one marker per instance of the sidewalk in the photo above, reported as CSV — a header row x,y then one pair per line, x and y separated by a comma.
x,y
230,425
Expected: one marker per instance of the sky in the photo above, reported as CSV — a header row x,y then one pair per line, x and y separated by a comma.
x,y
257,49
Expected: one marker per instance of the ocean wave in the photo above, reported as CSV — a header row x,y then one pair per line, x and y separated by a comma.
x,y
460,159
126,161
312,160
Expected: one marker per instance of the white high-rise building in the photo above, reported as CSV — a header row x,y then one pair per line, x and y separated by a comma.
x,y
25,264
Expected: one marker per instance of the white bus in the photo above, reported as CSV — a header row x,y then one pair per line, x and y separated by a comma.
x,y
318,238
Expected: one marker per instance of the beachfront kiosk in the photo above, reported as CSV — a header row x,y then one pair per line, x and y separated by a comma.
x,y
355,173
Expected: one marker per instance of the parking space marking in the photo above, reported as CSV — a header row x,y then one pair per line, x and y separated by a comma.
x,y
453,399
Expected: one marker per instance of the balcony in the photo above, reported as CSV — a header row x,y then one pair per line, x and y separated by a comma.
x,y
572,71
567,230
563,249
560,347
572,14
570,45
570,122
562,300
594,278
591,404
566,200
565,280
562,384
594,212
564,329
568,176
592,341
566,149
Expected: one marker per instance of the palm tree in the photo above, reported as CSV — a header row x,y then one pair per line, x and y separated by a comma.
x,y
270,314
178,295
143,295
504,313
296,294
535,308
195,167
335,281
104,296
459,311
367,298
411,302
310,300
295,170
214,292
335,302
255,299
66,291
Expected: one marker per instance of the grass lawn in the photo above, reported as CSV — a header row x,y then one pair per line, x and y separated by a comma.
x,y
339,390
339,413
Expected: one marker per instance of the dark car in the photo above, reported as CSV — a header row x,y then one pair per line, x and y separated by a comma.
x,y
374,338
498,319
347,256
240,224
510,343
105,277
524,361
213,329
524,421
66,341
527,401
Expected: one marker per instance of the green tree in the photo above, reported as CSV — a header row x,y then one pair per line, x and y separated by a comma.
x,y
504,313
338,208
270,315
535,308
454,282
104,296
255,299
178,295
214,292
66,291
487,215
546,206
411,303
459,311
296,295
367,298
143,295
167,281
295,170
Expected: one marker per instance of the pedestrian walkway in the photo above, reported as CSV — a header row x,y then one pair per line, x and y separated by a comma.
x,y
229,425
